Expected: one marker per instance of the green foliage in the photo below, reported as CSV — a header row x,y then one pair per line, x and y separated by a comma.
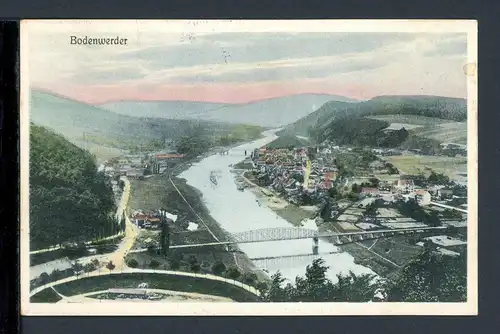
x,y
431,277
371,210
110,266
174,264
316,287
154,264
233,273
89,267
218,268
194,264
201,137
426,145
250,278
69,199
391,169
132,263
438,178
411,208
165,238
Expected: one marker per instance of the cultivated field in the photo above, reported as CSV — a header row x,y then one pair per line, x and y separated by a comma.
x,y
429,127
413,164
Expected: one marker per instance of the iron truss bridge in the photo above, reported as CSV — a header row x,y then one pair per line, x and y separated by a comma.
x,y
295,233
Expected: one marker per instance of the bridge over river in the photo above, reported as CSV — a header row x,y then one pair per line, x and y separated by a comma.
x,y
295,233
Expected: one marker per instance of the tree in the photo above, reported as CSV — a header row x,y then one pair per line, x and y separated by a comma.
x,y
164,237
431,277
352,196
371,210
132,263
192,259
195,267
233,273
43,279
438,178
89,267
110,266
174,264
218,268
77,267
374,182
56,275
154,264
316,287
250,278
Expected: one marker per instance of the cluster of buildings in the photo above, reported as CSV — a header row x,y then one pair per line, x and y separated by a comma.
x,y
138,166
151,220
287,170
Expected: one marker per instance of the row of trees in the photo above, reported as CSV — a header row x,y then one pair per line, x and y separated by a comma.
x,y
430,277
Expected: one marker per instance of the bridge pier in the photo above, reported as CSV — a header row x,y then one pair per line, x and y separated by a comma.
x,y
315,245
337,240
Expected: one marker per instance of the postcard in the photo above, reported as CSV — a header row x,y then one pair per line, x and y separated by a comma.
x,y
233,167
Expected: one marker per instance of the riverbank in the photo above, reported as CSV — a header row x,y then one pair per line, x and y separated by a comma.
x,y
294,214
177,197
369,254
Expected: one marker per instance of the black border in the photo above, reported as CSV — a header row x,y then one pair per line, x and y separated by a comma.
x,y
9,182
487,13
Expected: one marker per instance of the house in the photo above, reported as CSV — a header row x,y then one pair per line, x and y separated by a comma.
x,y
134,173
154,222
422,197
370,191
404,186
140,219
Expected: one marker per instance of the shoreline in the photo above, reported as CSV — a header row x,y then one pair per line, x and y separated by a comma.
x,y
296,214
160,186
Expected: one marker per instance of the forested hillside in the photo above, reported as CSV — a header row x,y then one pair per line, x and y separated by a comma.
x,y
360,131
365,123
69,199
86,125
321,116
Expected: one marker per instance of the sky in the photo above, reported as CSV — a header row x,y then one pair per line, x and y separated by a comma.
x,y
229,64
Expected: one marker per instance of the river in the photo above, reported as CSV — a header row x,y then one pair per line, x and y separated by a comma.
x,y
238,211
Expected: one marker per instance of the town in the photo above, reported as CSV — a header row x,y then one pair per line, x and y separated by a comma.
x,y
345,189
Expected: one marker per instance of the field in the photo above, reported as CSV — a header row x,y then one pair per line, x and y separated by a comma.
x,y
411,164
429,127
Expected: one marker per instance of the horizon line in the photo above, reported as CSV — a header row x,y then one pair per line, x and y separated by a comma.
x,y
354,100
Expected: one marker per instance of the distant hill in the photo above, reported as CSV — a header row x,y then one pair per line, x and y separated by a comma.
x,y
453,109
323,115
435,118
275,112
286,141
84,124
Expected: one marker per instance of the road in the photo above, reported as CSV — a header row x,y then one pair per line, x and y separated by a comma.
x,y
131,232
448,207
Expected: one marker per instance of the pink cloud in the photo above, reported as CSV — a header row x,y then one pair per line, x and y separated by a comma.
x,y
216,92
